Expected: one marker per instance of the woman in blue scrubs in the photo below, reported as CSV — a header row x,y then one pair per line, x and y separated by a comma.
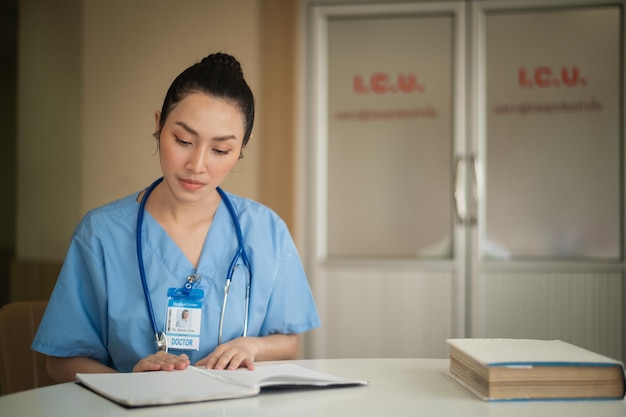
x,y
98,319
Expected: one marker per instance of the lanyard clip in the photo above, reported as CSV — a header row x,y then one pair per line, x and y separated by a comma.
x,y
192,280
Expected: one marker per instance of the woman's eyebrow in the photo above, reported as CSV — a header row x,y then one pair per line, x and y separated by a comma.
x,y
196,134
187,128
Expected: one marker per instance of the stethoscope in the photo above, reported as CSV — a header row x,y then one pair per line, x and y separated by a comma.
x,y
160,337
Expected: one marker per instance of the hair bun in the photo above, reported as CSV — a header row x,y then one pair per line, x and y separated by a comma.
x,y
224,60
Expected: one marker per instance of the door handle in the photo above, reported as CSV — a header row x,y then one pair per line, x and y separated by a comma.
x,y
473,215
460,200
465,212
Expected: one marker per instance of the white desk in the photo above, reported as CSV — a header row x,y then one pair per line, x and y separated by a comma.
x,y
398,387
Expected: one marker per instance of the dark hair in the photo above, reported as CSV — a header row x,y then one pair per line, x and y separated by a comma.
x,y
218,75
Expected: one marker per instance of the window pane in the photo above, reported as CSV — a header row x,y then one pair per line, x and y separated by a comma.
x,y
553,134
390,136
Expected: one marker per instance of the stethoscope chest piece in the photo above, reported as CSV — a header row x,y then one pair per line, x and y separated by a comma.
x,y
161,342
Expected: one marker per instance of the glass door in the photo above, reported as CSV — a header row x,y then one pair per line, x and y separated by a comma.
x,y
386,91
548,136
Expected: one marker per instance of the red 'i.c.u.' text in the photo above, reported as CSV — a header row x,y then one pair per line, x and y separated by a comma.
x,y
546,77
383,83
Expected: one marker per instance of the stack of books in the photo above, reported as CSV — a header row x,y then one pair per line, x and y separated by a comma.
x,y
523,369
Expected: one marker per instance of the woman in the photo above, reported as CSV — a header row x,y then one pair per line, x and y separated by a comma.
x,y
99,319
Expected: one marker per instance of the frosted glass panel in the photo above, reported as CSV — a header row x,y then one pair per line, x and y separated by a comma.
x,y
553,153
390,136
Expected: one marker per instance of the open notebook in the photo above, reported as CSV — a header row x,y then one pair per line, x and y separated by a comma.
x,y
198,384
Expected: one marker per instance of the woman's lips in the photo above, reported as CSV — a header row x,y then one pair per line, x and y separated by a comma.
x,y
191,184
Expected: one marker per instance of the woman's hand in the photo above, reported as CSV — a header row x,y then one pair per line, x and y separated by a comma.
x,y
233,354
162,361
244,351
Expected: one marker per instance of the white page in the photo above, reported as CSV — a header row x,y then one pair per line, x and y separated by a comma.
x,y
283,374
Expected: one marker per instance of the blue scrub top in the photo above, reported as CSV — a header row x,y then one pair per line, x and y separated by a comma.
x,y
98,309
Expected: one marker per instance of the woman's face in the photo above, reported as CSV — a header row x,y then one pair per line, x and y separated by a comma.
x,y
199,143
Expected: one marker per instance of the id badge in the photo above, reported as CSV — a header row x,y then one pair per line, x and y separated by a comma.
x,y
184,316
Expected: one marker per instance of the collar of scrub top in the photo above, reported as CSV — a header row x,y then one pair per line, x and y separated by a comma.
x,y
159,337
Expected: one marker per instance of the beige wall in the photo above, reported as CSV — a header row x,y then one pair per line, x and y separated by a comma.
x,y
92,74
48,126
132,50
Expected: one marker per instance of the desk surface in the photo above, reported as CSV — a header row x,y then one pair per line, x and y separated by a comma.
x,y
398,387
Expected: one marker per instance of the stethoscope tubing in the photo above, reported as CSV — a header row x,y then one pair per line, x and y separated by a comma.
x,y
142,271
240,254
